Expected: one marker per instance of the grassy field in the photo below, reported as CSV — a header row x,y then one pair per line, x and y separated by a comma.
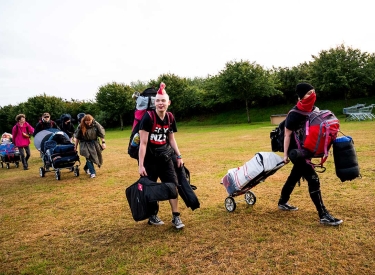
x,y
80,225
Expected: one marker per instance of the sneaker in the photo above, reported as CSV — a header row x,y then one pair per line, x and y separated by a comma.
x,y
92,176
155,220
328,219
287,207
176,220
88,172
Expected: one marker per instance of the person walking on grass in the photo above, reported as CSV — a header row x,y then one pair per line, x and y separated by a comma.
x,y
21,133
295,121
45,123
157,150
67,126
88,134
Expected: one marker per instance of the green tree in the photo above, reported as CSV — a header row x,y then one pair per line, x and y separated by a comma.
x,y
371,71
114,101
7,118
177,89
34,107
288,78
246,82
341,72
138,86
74,107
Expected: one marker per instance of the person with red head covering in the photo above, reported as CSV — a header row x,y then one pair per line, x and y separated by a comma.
x,y
158,151
294,122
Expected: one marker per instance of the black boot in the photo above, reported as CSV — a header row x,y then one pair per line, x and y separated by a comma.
x,y
316,197
324,216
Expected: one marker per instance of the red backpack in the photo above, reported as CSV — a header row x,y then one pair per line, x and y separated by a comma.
x,y
317,136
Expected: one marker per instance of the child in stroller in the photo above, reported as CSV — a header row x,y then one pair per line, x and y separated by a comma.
x,y
57,152
9,153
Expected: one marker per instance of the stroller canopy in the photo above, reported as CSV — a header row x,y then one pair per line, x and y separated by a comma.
x,y
43,136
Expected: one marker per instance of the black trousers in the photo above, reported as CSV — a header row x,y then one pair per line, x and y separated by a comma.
x,y
164,170
25,155
302,169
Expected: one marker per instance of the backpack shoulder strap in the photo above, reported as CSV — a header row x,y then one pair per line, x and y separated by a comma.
x,y
152,115
299,112
170,118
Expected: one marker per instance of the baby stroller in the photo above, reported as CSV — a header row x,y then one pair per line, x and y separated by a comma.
x,y
9,153
240,180
57,152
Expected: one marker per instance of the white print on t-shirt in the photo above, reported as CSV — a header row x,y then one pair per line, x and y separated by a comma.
x,y
159,136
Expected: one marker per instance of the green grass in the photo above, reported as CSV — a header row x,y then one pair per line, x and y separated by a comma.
x,y
80,225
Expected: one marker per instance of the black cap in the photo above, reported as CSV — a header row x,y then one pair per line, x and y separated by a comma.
x,y
302,89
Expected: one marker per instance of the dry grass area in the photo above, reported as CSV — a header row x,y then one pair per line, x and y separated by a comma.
x,y
80,225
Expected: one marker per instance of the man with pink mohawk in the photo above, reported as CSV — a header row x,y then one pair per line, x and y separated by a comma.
x,y
158,150
161,90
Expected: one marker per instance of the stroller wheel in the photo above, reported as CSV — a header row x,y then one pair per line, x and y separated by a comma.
x,y
76,171
42,172
250,198
230,204
58,174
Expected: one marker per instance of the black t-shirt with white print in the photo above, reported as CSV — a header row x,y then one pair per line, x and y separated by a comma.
x,y
159,136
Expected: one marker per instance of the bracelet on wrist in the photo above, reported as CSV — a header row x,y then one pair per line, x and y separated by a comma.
x,y
179,157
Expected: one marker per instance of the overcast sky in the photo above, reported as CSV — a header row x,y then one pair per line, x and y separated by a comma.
x,y
70,48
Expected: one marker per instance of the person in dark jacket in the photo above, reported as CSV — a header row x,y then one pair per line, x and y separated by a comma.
x,y
45,123
295,121
67,126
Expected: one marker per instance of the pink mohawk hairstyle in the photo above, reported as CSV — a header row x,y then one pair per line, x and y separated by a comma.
x,y
161,90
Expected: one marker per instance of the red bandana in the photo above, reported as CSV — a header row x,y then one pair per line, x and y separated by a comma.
x,y
307,104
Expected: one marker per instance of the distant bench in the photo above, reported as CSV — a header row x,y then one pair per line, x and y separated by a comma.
x,y
359,112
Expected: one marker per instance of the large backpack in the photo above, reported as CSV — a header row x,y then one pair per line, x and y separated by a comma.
x,y
133,147
316,137
144,102
277,137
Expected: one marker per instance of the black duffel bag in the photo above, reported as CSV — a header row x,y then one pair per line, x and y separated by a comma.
x,y
185,189
142,194
345,157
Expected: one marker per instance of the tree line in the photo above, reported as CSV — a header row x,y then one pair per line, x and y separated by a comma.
x,y
338,73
